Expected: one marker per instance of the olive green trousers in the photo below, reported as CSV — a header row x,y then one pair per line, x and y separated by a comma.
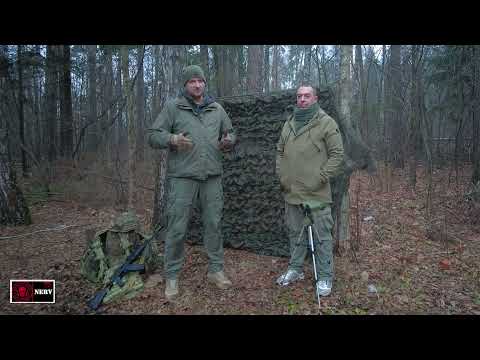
x,y
299,244
182,193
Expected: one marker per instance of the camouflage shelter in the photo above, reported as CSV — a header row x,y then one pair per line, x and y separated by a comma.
x,y
253,217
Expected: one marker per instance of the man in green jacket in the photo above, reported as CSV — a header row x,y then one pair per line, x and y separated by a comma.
x,y
309,154
197,130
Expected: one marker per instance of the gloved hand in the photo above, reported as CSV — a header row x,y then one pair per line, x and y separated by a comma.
x,y
226,143
181,142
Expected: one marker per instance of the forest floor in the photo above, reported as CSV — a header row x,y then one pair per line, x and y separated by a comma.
x,y
401,266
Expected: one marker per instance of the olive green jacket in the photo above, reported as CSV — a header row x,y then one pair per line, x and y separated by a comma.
x,y
306,160
204,129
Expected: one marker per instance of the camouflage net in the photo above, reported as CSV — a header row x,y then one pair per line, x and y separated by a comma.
x,y
253,216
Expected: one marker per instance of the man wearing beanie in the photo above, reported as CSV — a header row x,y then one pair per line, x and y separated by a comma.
x,y
196,129
309,154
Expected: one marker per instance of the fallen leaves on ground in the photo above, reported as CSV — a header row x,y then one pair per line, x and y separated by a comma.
x,y
401,266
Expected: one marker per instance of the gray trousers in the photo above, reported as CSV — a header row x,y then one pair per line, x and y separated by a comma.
x,y
323,222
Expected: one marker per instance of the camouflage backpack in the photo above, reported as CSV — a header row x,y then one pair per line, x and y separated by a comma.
x,y
109,249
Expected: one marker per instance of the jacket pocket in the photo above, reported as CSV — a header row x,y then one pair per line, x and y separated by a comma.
x,y
317,142
308,184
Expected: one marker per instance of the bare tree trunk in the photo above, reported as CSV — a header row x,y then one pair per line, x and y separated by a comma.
x,y
140,116
51,101
275,65
388,121
204,61
66,112
266,68
242,69
362,99
298,63
342,209
254,69
222,70
177,63
170,75
324,67
156,81
169,72
21,98
110,140
93,134
318,67
160,167
217,59
29,110
13,207
128,91
260,70
235,70
475,114
426,137
37,110
396,128
382,106
159,201
228,70
118,133
308,64
459,141
357,154
412,133
439,156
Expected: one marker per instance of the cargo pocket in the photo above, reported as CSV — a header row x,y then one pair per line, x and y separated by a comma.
x,y
178,201
325,222
170,194
218,201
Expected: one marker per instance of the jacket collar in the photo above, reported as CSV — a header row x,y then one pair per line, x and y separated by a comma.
x,y
183,103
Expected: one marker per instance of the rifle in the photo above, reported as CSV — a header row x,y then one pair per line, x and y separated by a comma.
x,y
117,278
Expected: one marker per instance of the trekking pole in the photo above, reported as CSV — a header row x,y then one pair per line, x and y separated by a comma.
x,y
308,214
312,249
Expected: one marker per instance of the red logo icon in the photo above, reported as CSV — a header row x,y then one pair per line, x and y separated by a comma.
x,y
22,291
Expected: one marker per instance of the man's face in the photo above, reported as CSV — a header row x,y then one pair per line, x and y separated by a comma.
x,y
305,97
195,87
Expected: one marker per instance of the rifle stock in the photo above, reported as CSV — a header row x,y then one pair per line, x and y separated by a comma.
x,y
97,299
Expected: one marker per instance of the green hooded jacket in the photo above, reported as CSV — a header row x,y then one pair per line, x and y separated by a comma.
x,y
204,126
308,158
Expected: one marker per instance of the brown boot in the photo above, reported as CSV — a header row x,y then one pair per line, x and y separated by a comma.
x,y
171,289
219,279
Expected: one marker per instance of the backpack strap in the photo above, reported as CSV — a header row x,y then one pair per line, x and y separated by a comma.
x,y
124,242
100,256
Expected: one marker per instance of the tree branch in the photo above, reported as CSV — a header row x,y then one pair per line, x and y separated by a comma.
x,y
61,227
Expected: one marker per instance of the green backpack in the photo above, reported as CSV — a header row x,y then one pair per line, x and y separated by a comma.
x,y
109,249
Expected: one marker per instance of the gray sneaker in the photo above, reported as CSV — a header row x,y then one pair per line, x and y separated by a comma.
x,y
289,277
324,287
171,289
